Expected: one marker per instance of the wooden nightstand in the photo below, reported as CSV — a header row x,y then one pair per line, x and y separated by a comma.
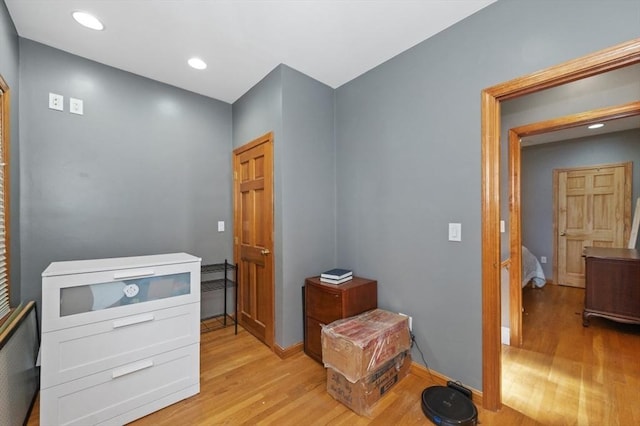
x,y
325,303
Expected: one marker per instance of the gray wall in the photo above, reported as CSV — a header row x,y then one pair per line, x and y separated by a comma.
x,y
408,161
299,110
9,60
538,163
308,192
146,169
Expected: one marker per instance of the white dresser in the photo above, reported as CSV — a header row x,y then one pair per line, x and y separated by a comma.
x,y
120,338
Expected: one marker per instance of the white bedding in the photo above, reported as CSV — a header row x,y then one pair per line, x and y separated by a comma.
x,y
531,269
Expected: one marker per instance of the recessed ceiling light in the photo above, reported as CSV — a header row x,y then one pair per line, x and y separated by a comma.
x,y
595,126
88,20
197,63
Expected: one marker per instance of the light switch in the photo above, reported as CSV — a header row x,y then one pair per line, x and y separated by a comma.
x,y
76,106
502,228
221,226
455,232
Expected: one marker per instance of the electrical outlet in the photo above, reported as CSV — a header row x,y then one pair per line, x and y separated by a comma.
x,y
410,320
56,102
543,259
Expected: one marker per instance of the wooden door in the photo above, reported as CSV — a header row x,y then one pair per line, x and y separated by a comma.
x,y
593,209
253,236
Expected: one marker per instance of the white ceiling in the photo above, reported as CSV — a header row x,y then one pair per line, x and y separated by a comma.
x,y
332,41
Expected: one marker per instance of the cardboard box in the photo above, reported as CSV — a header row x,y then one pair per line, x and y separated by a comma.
x,y
360,345
362,395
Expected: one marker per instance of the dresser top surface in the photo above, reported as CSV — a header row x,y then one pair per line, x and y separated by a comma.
x,y
612,253
356,281
116,263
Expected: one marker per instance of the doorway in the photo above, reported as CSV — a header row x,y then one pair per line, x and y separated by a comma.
x,y
253,236
602,115
600,62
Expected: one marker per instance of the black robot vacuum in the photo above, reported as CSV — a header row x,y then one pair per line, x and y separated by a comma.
x,y
448,406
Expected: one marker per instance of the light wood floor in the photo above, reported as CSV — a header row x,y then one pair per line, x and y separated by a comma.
x,y
564,375
567,374
243,383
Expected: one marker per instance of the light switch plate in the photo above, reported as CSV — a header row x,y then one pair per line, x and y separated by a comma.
x,y
455,232
221,226
76,106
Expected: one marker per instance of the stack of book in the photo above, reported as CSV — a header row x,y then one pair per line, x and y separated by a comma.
x,y
336,276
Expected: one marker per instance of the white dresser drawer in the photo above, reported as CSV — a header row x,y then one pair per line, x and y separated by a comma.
x,y
107,396
85,297
75,352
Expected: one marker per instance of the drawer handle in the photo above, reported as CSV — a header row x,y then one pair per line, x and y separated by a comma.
x,y
132,320
131,368
133,274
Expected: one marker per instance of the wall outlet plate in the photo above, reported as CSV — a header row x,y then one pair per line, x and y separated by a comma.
x,y
56,102
410,320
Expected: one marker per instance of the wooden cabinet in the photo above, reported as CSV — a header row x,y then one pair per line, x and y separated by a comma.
x,y
120,338
325,303
612,284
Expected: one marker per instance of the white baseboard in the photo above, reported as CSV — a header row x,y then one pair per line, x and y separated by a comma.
x,y
506,336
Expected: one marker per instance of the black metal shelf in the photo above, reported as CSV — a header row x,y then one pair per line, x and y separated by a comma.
x,y
212,285
216,267
224,283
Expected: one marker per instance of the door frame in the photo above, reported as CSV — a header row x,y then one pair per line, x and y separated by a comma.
x,y
515,210
610,59
267,139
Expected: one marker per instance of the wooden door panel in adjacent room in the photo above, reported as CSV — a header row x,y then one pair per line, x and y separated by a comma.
x,y
593,209
253,236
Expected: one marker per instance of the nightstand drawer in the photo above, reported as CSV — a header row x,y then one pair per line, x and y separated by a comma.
x,y
79,351
312,343
326,306
106,397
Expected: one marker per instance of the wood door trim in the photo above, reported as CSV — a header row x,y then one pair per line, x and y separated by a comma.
x,y
610,59
267,138
515,213
580,119
6,175
515,240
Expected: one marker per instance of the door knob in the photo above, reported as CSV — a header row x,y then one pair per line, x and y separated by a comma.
x,y
562,234
265,251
